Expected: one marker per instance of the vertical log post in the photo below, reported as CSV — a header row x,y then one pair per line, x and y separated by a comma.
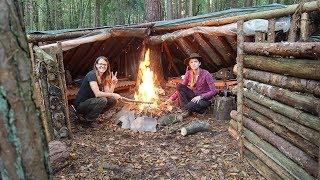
x,y
271,30
64,86
240,57
318,109
293,28
304,27
259,36
156,63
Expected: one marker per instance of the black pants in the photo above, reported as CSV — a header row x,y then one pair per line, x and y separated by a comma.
x,y
91,108
185,96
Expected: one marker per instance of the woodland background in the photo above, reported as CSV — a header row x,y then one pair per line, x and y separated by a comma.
x,y
42,15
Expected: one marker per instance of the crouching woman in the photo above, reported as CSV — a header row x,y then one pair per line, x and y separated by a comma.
x,y
96,94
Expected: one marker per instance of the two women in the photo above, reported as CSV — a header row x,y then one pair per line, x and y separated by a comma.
x,y
96,94
196,89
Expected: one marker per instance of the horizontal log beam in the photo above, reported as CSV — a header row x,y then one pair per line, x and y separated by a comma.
x,y
295,114
217,31
281,144
308,69
296,49
292,83
306,7
305,132
297,100
282,131
69,44
290,166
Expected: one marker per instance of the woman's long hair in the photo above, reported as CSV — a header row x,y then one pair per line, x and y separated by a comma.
x,y
106,76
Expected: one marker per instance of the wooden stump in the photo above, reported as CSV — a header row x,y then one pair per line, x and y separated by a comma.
x,y
222,107
58,155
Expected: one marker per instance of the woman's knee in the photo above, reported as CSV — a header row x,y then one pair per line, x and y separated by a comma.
x,y
112,101
180,87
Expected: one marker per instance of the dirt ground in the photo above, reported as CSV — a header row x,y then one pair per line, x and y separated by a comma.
x,y
111,152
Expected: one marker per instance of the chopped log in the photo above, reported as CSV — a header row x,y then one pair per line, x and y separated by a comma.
x,y
69,44
297,115
292,83
194,127
305,132
306,7
271,30
304,30
303,102
217,31
294,153
293,27
282,131
291,167
259,36
209,51
260,166
240,59
296,49
233,132
267,160
222,108
301,68
169,119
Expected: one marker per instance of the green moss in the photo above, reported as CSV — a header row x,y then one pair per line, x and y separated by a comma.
x,y
9,122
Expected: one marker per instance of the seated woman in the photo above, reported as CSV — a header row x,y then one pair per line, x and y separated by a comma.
x,y
96,95
196,89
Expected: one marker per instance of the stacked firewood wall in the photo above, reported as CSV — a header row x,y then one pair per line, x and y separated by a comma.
x,y
50,92
278,103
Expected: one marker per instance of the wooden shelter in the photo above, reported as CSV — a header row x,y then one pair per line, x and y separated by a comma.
x,y
278,91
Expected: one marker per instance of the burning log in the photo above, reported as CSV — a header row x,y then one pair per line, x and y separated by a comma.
x,y
296,49
297,115
292,67
291,136
305,132
299,101
292,83
286,163
194,127
281,144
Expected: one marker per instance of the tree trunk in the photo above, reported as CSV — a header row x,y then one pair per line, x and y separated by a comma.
x,y
301,68
194,127
282,145
297,100
190,8
23,147
233,4
153,10
169,10
97,13
49,18
248,3
297,115
292,83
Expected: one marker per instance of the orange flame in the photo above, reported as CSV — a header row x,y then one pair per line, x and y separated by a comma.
x,y
147,90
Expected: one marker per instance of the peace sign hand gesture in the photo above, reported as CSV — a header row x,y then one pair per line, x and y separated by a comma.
x,y
114,78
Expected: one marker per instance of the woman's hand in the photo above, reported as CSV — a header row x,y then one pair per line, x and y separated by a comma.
x,y
116,96
114,78
196,99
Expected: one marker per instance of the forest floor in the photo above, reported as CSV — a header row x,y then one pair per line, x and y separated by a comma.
x,y
111,152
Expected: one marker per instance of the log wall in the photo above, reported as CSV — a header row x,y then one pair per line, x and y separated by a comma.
x,y
279,130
